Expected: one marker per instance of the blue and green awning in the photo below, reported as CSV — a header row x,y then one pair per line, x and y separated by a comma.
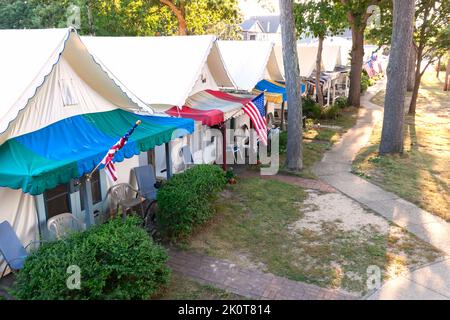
x,y
72,147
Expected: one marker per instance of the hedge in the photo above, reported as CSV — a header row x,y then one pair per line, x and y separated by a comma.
x,y
117,260
186,200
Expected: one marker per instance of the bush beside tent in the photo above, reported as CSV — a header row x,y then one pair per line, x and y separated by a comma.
x,y
117,260
186,200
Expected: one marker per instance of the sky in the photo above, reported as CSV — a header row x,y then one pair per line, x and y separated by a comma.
x,y
262,7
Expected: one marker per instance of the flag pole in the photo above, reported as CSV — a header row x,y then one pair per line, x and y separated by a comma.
x,y
89,175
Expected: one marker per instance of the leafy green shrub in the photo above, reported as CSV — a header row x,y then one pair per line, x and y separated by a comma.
x,y
341,102
117,260
283,141
330,112
365,82
186,200
311,109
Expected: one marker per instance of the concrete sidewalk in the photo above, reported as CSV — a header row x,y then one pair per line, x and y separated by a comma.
x,y
430,282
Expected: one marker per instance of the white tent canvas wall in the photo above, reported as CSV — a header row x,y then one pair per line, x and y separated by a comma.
x,y
306,59
250,61
165,71
47,76
335,53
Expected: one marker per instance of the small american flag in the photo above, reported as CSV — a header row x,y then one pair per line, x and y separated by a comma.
x,y
108,160
256,111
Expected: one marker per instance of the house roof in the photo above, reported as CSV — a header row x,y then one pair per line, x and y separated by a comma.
x,y
248,25
270,23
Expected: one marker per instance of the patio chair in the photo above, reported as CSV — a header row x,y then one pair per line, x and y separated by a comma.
x,y
12,249
126,197
148,187
146,181
63,224
188,160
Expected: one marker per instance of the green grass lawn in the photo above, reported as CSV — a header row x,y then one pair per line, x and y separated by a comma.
x,y
318,139
253,228
422,173
182,288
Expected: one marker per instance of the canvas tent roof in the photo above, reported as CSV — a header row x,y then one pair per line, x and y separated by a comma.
x,y
161,70
248,62
60,124
28,58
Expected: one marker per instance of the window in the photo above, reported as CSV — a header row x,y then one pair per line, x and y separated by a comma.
x,y
96,189
68,95
253,37
57,200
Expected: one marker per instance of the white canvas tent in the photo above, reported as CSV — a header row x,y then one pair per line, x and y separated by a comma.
x,y
306,58
331,44
163,70
250,61
335,53
47,76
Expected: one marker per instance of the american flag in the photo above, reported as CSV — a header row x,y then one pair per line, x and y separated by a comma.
x,y
256,111
108,160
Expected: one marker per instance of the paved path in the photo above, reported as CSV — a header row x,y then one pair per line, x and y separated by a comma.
x,y
244,282
335,169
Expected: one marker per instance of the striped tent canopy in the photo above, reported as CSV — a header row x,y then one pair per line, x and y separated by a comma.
x,y
273,91
72,147
211,107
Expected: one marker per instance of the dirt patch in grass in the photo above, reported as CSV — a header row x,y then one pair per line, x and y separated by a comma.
x,y
422,173
325,239
182,288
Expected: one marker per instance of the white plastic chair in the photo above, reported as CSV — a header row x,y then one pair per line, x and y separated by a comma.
x,y
63,224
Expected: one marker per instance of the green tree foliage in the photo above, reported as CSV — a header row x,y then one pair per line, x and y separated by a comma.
x,y
125,17
14,14
320,18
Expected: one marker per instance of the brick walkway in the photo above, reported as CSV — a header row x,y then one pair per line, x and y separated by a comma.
x,y
296,181
248,283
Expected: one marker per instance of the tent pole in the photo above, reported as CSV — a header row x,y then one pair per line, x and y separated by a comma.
x,y
282,115
224,146
88,203
168,161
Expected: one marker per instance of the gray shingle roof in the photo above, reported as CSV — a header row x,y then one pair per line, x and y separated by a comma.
x,y
269,24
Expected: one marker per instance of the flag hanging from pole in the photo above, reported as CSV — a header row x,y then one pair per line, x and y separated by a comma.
x,y
256,111
108,160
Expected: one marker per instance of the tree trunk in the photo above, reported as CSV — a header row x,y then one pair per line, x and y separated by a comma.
x,y
180,13
417,78
292,73
411,68
438,68
447,75
318,71
415,94
90,20
394,105
357,54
